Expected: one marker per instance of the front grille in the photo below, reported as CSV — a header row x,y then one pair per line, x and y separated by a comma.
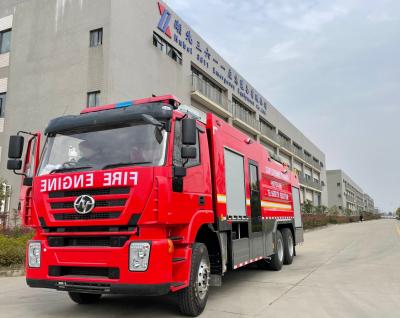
x,y
98,241
77,193
130,227
70,205
97,288
107,272
90,216
107,207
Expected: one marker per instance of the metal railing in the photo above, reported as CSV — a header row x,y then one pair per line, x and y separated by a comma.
x,y
285,143
268,131
245,115
309,182
298,152
316,165
210,91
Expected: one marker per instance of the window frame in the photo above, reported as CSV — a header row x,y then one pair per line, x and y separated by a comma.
x,y
3,97
99,32
167,48
1,41
97,98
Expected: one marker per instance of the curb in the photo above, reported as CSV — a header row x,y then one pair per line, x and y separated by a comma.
x,y
12,272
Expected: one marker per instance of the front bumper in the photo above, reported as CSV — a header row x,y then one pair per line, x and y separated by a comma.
x,y
102,269
102,288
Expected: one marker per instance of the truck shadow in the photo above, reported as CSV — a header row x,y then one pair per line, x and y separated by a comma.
x,y
162,306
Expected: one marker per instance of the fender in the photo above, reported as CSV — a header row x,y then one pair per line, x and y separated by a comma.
x,y
199,218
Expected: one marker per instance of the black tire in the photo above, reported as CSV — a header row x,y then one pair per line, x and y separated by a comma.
x,y
276,261
288,246
84,299
192,301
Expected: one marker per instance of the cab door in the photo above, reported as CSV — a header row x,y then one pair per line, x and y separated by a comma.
x,y
195,192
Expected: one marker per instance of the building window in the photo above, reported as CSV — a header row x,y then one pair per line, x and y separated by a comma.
x,y
283,136
96,37
5,41
167,48
244,113
297,147
93,99
338,184
2,104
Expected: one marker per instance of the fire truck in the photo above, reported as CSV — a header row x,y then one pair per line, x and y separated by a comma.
x,y
145,197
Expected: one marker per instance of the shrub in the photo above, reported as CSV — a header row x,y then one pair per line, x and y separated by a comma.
x,y
311,221
13,245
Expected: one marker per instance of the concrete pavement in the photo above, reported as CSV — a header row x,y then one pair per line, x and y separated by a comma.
x,y
347,270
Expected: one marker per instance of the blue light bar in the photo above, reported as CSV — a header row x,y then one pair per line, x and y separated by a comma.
x,y
124,104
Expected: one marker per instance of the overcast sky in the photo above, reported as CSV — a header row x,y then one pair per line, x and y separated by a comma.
x,y
331,67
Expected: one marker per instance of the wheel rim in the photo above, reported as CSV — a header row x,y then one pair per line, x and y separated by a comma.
x,y
203,279
290,245
280,250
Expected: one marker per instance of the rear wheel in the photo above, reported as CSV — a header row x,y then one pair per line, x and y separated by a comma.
x,y
193,299
276,261
288,246
84,299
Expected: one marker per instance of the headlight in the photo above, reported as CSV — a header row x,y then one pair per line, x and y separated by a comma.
x,y
139,254
34,253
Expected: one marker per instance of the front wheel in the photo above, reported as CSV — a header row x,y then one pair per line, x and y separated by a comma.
x,y
84,299
193,299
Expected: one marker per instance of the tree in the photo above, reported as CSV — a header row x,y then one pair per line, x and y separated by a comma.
x,y
5,193
334,211
398,213
307,207
348,212
322,209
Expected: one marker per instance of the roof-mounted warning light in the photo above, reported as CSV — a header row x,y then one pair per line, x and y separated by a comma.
x,y
166,99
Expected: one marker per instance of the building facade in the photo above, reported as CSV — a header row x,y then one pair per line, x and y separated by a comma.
x,y
344,193
63,55
369,204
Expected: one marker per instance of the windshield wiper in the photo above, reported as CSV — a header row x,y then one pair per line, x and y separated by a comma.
x,y
122,164
69,169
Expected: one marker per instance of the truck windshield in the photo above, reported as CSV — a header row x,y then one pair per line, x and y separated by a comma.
x,y
138,144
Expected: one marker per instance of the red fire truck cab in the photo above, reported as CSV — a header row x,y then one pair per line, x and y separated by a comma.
x,y
143,197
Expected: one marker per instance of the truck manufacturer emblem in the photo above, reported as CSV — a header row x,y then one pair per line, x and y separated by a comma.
x,y
84,204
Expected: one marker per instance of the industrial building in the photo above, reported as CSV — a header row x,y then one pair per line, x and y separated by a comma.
x,y
369,204
345,194
59,56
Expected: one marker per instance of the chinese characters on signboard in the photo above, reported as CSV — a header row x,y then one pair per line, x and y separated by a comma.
x,y
183,37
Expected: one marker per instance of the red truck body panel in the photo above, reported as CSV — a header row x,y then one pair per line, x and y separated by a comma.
x,y
276,180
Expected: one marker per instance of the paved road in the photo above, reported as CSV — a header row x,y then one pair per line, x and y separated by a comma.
x,y
347,270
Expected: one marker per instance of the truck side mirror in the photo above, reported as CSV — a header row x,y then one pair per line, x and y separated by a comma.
x,y
189,131
189,152
15,147
14,164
